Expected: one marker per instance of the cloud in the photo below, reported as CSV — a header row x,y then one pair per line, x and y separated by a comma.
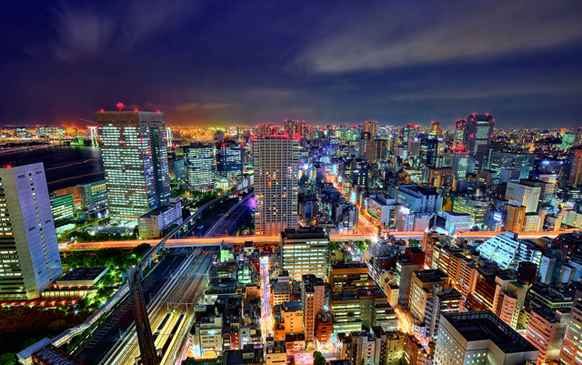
x,y
81,33
436,32
459,92
84,31
189,107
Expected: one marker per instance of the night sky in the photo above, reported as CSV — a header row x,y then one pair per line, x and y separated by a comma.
x,y
249,62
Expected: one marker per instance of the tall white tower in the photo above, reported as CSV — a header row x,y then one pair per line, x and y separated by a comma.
x,y
276,165
29,252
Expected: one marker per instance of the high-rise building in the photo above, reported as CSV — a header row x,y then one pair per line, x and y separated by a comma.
x,y
312,300
514,218
478,131
135,162
305,251
229,161
199,164
276,164
571,351
429,149
480,338
574,167
527,196
545,330
459,135
93,196
421,291
29,253
408,134
366,146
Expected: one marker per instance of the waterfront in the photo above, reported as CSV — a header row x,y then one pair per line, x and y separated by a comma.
x,y
64,165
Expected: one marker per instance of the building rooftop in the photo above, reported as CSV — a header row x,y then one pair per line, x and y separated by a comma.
x,y
429,276
83,273
304,233
484,325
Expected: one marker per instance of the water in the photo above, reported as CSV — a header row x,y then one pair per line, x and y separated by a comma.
x,y
64,165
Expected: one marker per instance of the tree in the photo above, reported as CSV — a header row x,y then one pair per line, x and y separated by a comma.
x,y
413,242
8,359
318,358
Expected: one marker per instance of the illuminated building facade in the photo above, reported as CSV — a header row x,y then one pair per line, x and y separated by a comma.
x,y
29,253
135,162
229,161
199,165
276,164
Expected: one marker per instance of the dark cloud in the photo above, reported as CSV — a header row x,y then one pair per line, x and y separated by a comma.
x,y
237,62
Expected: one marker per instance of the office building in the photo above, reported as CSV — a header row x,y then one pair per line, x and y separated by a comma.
x,y
429,149
418,199
507,251
574,167
527,196
459,135
93,196
545,331
229,161
152,224
276,163
305,251
29,253
478,131
478,208
480,338
571,351
199,165
421,291
135,162
515,217
350,276
442,301
312,301
63,207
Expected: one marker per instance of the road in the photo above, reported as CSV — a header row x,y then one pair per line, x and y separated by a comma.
x,y
266,319
119,321
228,223
169,320
193,241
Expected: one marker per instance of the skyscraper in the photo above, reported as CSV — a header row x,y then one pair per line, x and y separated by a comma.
x,y
229,160
478,131
199,165
29,253
459,135
276,164
312,301
574,167
571,351
135,162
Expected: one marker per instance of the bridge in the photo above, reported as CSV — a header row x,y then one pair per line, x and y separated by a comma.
x,y
211,241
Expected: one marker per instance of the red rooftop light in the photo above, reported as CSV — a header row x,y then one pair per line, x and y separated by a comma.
x,y
102,111
120,106
135,110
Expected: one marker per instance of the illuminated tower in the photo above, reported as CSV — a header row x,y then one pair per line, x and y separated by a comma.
x,y
135,162
478,131
199,164
276,164
574,167
29,253
571,351
459,135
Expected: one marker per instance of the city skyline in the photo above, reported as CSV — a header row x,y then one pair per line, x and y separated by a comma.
x,y
389,62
